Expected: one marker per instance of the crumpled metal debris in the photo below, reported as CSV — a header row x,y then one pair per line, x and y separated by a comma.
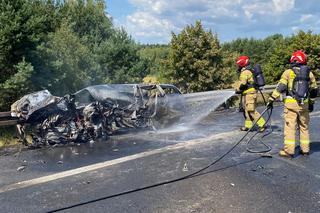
x,y
95,112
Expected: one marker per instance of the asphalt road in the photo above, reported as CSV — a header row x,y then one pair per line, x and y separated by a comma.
x,y
53,178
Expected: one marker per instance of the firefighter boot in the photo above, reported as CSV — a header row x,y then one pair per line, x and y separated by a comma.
x,y
262,129
305,147
287,151
244,128
283,153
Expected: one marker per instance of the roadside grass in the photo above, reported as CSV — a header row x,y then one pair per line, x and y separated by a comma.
x,y
7,136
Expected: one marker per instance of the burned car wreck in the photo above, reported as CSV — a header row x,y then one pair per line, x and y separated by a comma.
x,y
95,112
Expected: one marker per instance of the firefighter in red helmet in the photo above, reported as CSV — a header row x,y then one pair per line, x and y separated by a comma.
x,y
247,89
300,87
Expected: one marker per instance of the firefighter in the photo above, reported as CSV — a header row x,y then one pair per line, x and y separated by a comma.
x,y
246,87
300,87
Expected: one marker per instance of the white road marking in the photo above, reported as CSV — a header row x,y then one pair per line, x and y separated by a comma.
x,y
60,175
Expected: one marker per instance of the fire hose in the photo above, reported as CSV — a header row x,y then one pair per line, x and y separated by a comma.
x,y
266,110
269,130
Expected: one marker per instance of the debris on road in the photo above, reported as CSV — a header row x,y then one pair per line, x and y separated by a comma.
x,y
21,168
185,168
258,167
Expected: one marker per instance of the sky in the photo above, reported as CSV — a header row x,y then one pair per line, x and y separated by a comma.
x,y
153,21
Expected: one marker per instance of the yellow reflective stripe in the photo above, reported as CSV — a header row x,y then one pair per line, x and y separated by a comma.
x,y
292,100
289,142
249,90
248,124
275,94
305,142
261,122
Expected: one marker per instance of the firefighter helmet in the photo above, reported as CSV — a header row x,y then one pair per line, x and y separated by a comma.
x,y
243,61
299,57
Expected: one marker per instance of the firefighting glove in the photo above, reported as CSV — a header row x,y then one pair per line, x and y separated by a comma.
x,y
311,107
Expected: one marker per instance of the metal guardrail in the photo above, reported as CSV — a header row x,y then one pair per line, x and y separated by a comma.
x,y
5,114
270,88
7,120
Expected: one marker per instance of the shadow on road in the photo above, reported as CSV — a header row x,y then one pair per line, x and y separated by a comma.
x,y
315,146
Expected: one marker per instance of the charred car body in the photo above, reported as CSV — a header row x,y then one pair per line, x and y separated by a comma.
x,y
95,112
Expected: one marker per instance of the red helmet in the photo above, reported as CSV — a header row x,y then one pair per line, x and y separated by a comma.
x,y
243,61
299,57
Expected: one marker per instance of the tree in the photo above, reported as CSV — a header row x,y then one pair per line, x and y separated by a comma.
x,y
17,85
120,59
195,60
23,25
89,20
155,56
280,58
65,64
258,50
278,61
310,44
67,45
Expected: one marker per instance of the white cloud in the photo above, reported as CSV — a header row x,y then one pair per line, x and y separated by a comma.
x,y
258,8
306,17
142,24
309,22
158,18
268,8
295,29
283,5
155,6
154,20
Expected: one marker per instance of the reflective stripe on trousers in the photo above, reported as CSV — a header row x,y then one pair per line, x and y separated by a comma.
x,y
249,103
296,114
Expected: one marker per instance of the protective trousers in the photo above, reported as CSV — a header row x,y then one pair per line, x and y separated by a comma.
x,y
296,114
251,114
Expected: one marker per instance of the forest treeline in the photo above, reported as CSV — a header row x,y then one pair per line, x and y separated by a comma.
x,y
62,46
65,45
195,60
